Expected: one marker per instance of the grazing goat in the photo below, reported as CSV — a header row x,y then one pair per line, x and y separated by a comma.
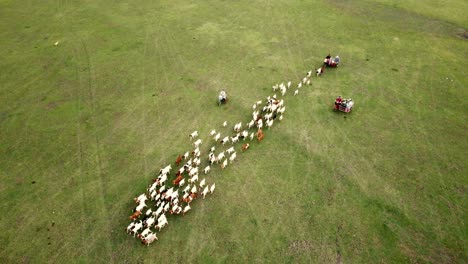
x,y
153,187
207,169
186,155
148,212
193,172
238,127
197,143
194,134
320,71
141,199
202,183
178,160
159,211
137,227
283,91
149,239
244,134
175,194
245,146
234,139
135,215
251,124
149,222
153,195
213,132
260,135
181,170
177,180
296,92
212,188
162,218
205,191
220,157
162,224
217,137
186,209
232,157
163,179
225,163
230,150
140,207
211,158
269,123
130,226
166,207
193,179
260,123
196,152
225,124
225,140
182,182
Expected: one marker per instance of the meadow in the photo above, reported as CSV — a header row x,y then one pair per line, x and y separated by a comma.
x,y
86,125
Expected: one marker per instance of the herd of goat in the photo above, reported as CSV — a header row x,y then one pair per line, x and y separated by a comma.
x,y
172,193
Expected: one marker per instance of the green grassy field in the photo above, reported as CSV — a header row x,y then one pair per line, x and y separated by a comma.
x,y
86,124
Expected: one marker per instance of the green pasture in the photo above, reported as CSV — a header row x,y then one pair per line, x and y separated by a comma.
x,y
86,124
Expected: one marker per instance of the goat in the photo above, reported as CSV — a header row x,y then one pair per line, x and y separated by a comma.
x,y
232,157
194,134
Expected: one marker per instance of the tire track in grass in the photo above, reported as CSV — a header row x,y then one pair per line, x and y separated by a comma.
x,y
98,159
79,139
143,98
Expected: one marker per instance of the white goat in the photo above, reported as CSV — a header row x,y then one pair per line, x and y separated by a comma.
x,y
225,163
194,134
194,178
186,209
205,191
233,157
225,140
220,157
230,150
197,143
217,137
202,183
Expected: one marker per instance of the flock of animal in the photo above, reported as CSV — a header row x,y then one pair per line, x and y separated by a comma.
x,y
189,182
